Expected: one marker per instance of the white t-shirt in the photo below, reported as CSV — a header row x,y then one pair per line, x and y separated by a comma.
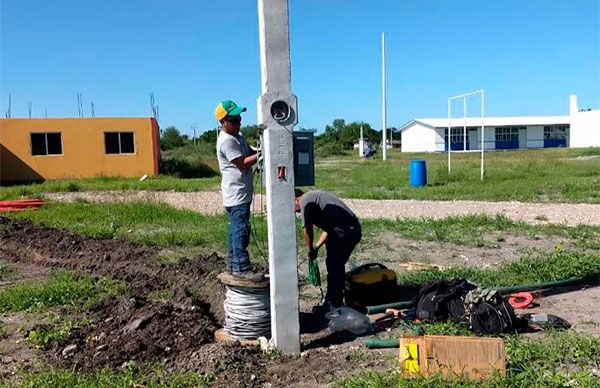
x,y
236,185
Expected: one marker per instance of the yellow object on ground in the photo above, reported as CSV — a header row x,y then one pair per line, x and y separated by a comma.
x,y
472,357
409,356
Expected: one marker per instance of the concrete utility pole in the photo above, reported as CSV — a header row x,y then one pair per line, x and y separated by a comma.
x,y
277,108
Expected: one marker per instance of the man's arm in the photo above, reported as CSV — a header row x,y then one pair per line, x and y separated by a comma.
x,y
322,240
234,152
245,162
308,236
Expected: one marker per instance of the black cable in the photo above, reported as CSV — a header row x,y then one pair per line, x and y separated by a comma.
x,y
258,242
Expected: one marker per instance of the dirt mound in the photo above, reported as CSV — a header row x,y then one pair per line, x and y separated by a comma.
x,y
235,365
135,328
177,330
135,265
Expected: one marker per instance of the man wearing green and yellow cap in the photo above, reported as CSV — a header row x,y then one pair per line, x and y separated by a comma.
x,y
236,159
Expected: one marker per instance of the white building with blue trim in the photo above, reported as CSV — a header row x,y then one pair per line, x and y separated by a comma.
x,y
581,128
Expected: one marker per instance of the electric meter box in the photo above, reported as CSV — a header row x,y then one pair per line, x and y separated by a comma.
x,y
304,158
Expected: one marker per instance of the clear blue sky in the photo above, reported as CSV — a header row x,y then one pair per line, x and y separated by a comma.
x,y
529,55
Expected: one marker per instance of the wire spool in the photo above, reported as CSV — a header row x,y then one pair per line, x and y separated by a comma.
x,y
247,312
247,309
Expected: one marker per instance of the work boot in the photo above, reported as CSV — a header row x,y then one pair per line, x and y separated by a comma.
x,y
249,276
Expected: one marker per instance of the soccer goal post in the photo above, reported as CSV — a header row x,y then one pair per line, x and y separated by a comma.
x,y
464,136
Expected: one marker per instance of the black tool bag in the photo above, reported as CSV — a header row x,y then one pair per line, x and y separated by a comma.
x,y
441,299
490,313
370,285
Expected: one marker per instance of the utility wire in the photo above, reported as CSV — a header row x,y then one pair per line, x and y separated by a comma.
x,y
247,312
257,223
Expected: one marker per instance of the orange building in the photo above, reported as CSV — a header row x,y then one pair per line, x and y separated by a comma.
x,y
41,149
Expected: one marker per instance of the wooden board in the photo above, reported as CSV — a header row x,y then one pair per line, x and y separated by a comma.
x,y
222,336
473,357
229,280
416,266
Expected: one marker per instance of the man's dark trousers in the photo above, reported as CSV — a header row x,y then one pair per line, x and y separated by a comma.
x,y
338,253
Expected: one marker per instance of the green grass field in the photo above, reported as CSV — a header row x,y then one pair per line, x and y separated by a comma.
x,y
162,226
557,175
552,175
64,288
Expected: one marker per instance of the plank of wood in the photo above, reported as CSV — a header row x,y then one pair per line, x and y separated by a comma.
x,y
229,280
416,266
222,336
474,357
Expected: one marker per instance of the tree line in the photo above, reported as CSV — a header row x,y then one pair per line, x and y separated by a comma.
x,y
337,138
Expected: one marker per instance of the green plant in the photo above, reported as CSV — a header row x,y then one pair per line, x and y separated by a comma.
x,y
185,168
63,288
329,150
160,295
5,269
58,330
131,374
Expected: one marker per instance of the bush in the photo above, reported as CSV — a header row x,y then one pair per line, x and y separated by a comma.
x,y
330,149
185,169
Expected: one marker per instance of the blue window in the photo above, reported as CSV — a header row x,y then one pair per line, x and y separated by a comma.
x,y
507,138
555,136
457,138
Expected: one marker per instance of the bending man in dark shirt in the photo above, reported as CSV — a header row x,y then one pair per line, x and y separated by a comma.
x,y
341,232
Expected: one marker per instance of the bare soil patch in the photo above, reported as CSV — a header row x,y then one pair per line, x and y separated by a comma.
x,y
15,353
578,307
177,331
391,248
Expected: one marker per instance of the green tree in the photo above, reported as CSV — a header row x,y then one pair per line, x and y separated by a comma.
x,y
171,138
344,135
252,133
209,136
351,133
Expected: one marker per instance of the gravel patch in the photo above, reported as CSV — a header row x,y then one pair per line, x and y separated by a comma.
x,y
209,202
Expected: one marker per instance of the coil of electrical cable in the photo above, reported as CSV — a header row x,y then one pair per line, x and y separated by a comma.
x,y
247,312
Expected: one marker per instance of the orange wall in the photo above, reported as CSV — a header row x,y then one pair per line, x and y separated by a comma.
x,y
82,146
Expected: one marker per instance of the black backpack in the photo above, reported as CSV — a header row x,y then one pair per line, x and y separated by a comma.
x,y
491,314
441,299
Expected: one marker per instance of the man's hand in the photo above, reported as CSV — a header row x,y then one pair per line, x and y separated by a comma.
x,y
313,253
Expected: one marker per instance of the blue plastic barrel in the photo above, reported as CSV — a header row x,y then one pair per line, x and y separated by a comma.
x,y
418,173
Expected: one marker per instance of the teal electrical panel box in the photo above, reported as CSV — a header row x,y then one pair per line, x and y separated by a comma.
x,y
304,158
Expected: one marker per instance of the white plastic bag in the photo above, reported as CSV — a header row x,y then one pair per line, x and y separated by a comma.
x,y
348,319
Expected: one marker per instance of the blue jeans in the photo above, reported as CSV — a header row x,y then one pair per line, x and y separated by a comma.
x,y
238,259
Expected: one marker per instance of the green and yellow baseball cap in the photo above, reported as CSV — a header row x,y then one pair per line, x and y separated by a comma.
x,y
228,108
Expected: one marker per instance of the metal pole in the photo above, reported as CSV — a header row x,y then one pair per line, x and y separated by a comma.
x,y
465,123
482,130
383,95
449,135
361,144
